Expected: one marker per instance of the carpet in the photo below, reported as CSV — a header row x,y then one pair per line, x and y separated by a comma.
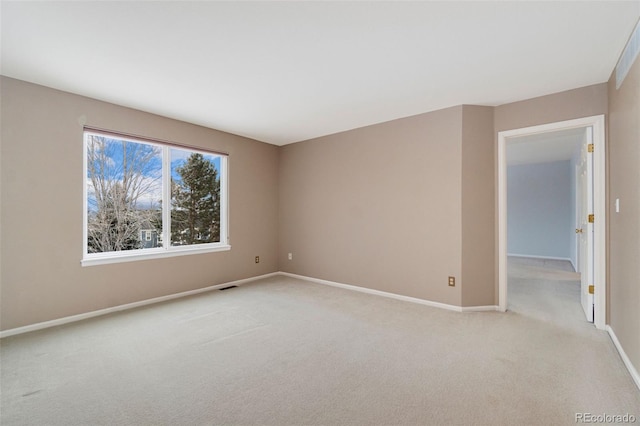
x,y
282,351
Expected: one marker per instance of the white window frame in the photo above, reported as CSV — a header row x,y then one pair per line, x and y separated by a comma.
x,y
167,250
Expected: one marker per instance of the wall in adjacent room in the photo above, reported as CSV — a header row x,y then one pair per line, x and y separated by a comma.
x,y
540,214
574,238
42,203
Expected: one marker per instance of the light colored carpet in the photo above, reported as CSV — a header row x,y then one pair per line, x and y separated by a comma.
x,y
288,352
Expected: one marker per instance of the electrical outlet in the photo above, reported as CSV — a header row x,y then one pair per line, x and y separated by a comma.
x,y
290,256
452,281
257,259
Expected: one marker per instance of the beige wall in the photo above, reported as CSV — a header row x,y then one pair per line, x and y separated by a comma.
x,y
478,207
583,102
334,221
41,209
396,207
378,207
624,227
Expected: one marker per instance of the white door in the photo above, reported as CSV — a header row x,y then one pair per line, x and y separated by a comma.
x,y
585,231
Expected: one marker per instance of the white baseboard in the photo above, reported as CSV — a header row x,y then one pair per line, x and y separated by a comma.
x,y
486,308
100,312
533,256
627,362
394,296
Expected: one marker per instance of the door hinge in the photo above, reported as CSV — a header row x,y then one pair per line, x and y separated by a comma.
x,y
591,218
591,288
590,147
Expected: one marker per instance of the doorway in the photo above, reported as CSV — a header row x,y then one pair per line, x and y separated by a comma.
x,y
595,130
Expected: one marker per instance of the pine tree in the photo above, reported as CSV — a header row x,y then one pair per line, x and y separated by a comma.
x,y
195,203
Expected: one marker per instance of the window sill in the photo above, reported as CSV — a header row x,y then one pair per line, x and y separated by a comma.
x,y
147,254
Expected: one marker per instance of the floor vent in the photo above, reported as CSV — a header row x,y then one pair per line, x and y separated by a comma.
x,y
227,288
628,57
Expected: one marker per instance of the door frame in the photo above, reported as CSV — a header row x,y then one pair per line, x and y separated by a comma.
x,y
599,201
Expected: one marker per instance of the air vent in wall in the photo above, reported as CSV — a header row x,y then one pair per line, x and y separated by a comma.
x,y
227,288
629,55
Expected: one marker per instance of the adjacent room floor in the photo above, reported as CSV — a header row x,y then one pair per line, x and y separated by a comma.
x,y
282,351
548,290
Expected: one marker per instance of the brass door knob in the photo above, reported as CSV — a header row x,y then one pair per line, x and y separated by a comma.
x,y
578,230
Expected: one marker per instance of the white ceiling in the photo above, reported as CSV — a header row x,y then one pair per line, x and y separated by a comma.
x,y
546,147
282,72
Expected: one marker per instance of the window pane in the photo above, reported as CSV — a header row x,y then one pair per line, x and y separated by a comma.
x,y
124,192
195,197
148,199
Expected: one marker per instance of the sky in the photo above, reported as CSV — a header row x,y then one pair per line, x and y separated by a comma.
x,y
152,176
180,156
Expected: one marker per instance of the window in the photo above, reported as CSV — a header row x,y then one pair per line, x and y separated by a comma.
x,y
145,199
